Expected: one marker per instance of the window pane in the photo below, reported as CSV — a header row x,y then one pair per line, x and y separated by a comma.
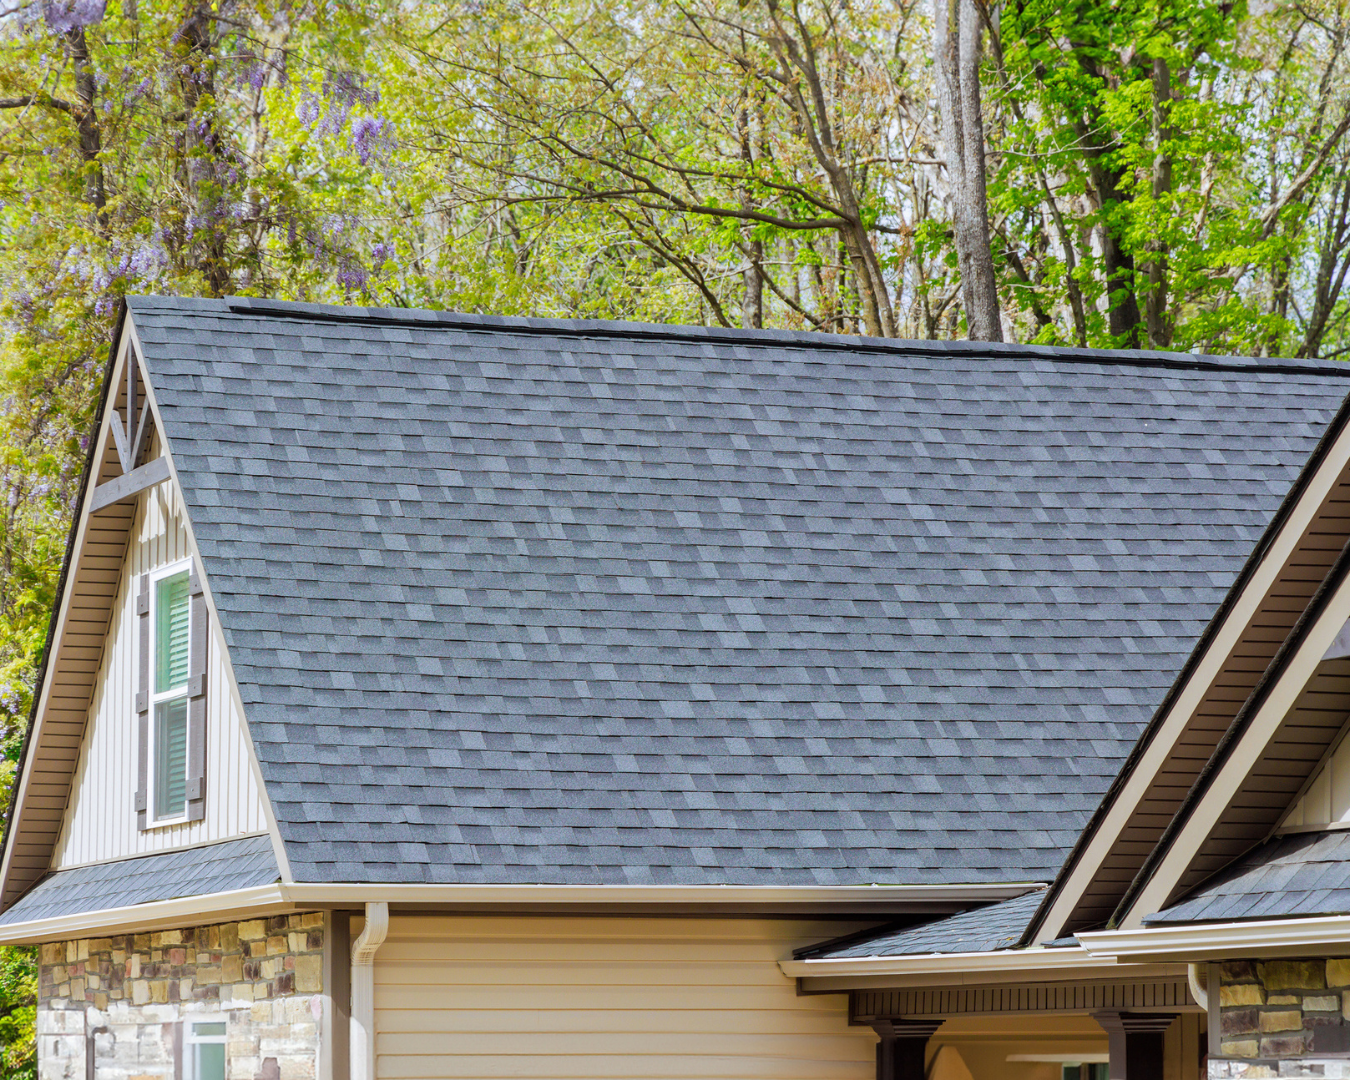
x,y
203,1029
170,757
171,633
209,1061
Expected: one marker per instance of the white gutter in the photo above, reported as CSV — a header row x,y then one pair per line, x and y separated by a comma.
x,y
826,896
1039,962
238,904
1206,941
363,990
282,897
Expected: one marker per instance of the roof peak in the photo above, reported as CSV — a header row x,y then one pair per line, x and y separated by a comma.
x,y
258,307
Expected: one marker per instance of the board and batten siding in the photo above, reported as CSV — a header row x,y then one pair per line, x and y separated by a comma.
x,y
1326,802
100,817
524,997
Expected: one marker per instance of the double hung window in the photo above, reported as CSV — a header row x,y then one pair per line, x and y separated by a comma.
x,y
169,670
204,1049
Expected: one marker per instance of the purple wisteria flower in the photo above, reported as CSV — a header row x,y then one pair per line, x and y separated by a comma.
x,y
63,16
370,137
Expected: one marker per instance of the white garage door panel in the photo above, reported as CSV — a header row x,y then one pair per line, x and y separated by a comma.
x,y
538,998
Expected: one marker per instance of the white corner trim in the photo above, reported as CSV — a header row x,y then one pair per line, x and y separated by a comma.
x,y
363,990
1034,963
1207,941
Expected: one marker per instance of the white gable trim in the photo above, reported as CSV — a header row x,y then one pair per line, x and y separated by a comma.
x,y
36,733
1246,752
128,350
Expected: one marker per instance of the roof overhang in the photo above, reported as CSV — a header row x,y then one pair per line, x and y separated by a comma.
x,y
857,901
1034,965
1326,936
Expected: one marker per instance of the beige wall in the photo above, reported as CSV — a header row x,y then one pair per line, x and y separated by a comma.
x,y
100,818
599,998
555,998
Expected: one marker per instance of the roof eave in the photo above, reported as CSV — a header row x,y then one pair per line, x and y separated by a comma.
x,y
1220,941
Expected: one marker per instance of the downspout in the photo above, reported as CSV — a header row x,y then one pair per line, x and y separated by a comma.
x,y
1197,978
363,990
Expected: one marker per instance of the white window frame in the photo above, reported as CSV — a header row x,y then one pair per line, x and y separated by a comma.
x,y
191,1040
152,765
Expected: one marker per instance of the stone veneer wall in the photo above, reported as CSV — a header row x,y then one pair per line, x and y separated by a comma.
x,y
1287,1018
263,976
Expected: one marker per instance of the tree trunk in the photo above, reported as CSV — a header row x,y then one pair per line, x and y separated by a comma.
x,y
86,123
1155,304
956,54
197,79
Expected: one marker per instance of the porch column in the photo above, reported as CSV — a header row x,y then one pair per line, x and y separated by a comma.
x,y
901,1050
1135,1043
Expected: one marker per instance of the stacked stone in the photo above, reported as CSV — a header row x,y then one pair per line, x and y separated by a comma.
x,y
1284,1018
264,977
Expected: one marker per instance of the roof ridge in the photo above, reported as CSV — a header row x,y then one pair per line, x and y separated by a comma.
x,y
430,319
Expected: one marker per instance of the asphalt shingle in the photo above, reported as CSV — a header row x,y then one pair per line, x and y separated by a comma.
x,y
985,929
1302,874
566,603
233,864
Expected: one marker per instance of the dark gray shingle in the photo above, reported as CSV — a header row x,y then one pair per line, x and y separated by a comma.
x,y
985,929
1302,874
578,604
234,864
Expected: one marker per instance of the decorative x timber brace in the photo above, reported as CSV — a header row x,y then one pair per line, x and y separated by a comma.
x,y
130,436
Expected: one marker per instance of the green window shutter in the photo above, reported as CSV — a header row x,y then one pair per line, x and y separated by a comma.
x,y
171,751
143,700
172,616
196,705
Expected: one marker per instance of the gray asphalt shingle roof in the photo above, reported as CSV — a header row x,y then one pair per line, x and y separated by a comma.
x,y
1298,875
545,602
986,929
234,864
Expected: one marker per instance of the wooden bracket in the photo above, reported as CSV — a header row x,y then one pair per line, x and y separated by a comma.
x,y
129,484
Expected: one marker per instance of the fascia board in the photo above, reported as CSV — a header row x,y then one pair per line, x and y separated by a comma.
x,y
1036,963
824,896
231,906
1328,935
709,899
1139,774
1104,973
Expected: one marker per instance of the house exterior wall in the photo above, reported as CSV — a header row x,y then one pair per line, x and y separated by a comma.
x,y
1288,1018
264,977
538,996
100,818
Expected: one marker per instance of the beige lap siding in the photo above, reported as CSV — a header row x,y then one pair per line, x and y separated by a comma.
x,y
597,998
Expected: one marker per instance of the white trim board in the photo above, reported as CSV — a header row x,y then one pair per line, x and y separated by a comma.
x,y
1328,935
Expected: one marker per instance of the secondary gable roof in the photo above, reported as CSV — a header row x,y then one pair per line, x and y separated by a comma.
x,y
520,601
